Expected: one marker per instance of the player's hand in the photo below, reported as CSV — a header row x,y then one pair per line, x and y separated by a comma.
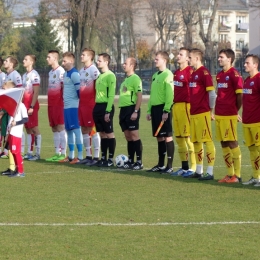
x,y
13,123
212,116
107,117
30,111
239,118
134,116
148,117
164,116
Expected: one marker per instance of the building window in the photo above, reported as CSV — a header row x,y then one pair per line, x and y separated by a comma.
x,y
170,18
205,19
241,19
223,38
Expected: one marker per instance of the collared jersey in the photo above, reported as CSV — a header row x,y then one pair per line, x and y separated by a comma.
x,y
30,80
105,89
251,100
129,89
15,77
161,90
88,78
229,84
2,79
55,87
200,83
181,85
71,88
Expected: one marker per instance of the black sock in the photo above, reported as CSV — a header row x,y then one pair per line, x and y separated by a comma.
x,y
104,147
161,153
170,153
111,142
6,145
138,150
131,150
185,165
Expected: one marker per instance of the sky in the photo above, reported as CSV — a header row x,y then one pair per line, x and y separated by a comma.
x,y
27,9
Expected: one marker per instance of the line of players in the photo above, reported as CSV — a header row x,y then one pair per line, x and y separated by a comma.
x,y
90,95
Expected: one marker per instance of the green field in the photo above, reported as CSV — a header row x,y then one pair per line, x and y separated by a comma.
x,y
62,211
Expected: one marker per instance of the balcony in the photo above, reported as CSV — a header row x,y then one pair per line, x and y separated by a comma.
x,y
222,27
242,27
172,26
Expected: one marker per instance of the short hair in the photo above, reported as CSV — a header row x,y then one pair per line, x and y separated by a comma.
x,y
106,57
133,62
68,54
255,58
164,54
55,52
185,49
13,60
32,57
90,51
229,53
9,84
1,62
198,52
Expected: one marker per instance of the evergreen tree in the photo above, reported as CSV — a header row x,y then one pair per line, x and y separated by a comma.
x,y
44,37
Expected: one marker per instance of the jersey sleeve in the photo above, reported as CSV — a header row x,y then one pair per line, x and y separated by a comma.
x,y
138,84
18,80
111,91
36,79
75,77
94,72
168,93
208,82
237,81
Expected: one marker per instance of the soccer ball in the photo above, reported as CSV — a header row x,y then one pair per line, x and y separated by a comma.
x,y
120,160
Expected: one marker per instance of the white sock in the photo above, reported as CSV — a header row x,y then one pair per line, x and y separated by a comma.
x,y
38,144
199,168
56,140
23,143
96,144
63,141
210,170
29,143
87,144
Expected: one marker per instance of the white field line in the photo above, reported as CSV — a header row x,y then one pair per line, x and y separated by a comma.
x,y
136,224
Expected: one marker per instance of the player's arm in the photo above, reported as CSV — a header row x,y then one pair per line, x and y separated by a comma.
x,y
110,92
18,80
75,77
168,97
138,89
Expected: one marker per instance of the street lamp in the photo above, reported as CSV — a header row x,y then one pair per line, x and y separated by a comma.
x,y
171,55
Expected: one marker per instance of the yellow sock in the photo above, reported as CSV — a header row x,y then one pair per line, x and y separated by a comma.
x,y
254,158
11,161
210,153
191,153
182,148
227,155
199,153
237,160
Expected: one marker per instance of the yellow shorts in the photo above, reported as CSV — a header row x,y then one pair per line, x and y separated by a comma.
x,y
226,128
181,119
251,134
200,128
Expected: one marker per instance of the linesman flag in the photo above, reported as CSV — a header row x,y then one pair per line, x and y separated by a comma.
x,y
10,100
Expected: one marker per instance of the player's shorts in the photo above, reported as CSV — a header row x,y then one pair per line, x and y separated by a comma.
x,y
125,118
156,114
15,144
56,115
251,134
86,115
99,112
200,127
71,118
4,123
226,128
32,119
181,119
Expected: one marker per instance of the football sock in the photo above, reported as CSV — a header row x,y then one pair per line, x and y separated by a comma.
x,y
63,141
210,170
11,161
210,153
255,160
131,150
71,142
227,155
183,152
96,144
199,168
79,142
161,152
237,161
56,140
170,153
23,143
191,153
87,144
138,150
29,144
111,143
38,144
199,152
32,142
104,146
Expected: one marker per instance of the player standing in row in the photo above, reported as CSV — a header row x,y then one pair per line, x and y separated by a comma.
x,y
181,114
228,103
159,110
31,84
88,75
130,98
103,111
202,99
71,105
56,106
251,115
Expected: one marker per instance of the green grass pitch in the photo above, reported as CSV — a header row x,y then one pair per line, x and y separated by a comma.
x,y
60,211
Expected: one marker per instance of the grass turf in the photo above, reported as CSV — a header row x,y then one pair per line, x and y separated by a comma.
x,y
182,218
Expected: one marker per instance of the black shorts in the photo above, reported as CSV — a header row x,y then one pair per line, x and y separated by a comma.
x,y
125,118
156,114
99,112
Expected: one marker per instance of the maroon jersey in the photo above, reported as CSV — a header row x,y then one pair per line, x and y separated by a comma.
x,y
251,100
200,83
181,85
229,84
